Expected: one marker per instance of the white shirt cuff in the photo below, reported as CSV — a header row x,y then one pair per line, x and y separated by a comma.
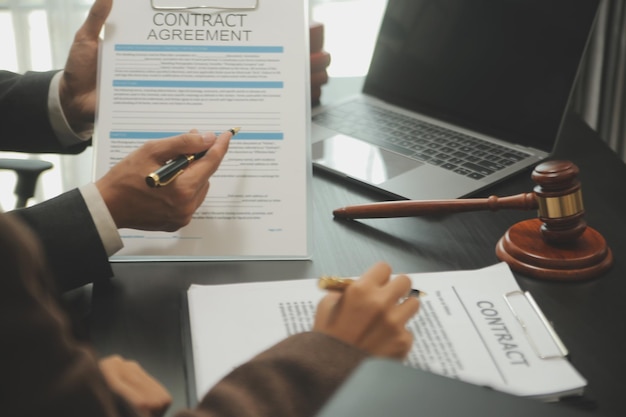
x,y
102,218
60,126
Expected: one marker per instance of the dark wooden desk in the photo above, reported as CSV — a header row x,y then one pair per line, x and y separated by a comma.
x,y
138,313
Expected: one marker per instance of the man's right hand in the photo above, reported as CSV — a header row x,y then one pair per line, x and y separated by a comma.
x,y
133,204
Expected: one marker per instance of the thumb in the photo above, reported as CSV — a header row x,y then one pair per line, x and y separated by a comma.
x,y
95,20
326,310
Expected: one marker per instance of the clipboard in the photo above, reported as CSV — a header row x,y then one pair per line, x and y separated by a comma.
x,y
539,331
181,5
393,368
454,336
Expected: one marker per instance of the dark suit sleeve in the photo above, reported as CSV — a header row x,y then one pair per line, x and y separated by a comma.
x,y
71,242
24,121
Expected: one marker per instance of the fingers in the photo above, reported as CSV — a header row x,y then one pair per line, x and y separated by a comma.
x,y
377,275
164,150
378,278
199,172
394,345
188,143
128,379
209,163
326,309
201,194
371,313
397,288
134,205
407,309
95,20
393,338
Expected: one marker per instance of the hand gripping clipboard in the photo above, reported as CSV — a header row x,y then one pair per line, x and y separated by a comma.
x,y
183,5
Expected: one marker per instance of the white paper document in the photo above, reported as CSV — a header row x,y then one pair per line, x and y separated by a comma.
x,y
475,326
165,69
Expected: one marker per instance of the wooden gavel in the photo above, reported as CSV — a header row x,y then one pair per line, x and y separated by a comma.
x,y
557,197
557,245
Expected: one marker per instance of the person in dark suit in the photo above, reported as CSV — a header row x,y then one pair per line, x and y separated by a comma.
x,y
54,112
46,371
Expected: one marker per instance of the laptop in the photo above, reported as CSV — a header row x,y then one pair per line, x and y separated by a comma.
x,y
382,387
459,95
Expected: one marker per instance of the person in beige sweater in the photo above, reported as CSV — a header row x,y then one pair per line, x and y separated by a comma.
x,y
46,371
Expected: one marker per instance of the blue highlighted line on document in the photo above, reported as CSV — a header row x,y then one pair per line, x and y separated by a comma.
x,y
198,84
160,135
201,48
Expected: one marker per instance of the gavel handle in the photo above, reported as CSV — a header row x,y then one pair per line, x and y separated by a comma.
x,y
409,208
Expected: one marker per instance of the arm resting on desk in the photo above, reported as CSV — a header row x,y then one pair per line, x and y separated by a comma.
x,y
49,372
292,379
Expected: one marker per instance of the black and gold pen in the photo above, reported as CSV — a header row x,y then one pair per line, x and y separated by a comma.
x,y
327,282
175,167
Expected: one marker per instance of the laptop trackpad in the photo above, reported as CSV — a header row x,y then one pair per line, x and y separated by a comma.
x,y
357,159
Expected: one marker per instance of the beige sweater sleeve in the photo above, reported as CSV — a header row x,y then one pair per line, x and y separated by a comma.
x,y
291,379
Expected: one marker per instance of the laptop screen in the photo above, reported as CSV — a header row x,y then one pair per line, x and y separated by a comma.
x,y
504,68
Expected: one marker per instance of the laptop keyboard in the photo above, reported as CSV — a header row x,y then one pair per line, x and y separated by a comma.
x,y
457,152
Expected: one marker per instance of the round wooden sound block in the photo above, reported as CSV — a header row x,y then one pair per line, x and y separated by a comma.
x,y
525,250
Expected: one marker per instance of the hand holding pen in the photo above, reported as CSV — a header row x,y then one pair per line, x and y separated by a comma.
x,y
134,205
371,313
334,283
168,172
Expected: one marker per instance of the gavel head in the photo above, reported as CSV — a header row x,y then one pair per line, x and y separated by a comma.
x,y
559,201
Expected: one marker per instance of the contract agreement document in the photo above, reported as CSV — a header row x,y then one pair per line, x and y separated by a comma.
x,y
166,68
476,326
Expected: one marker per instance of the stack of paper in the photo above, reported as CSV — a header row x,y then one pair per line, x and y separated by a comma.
x,y
476,326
